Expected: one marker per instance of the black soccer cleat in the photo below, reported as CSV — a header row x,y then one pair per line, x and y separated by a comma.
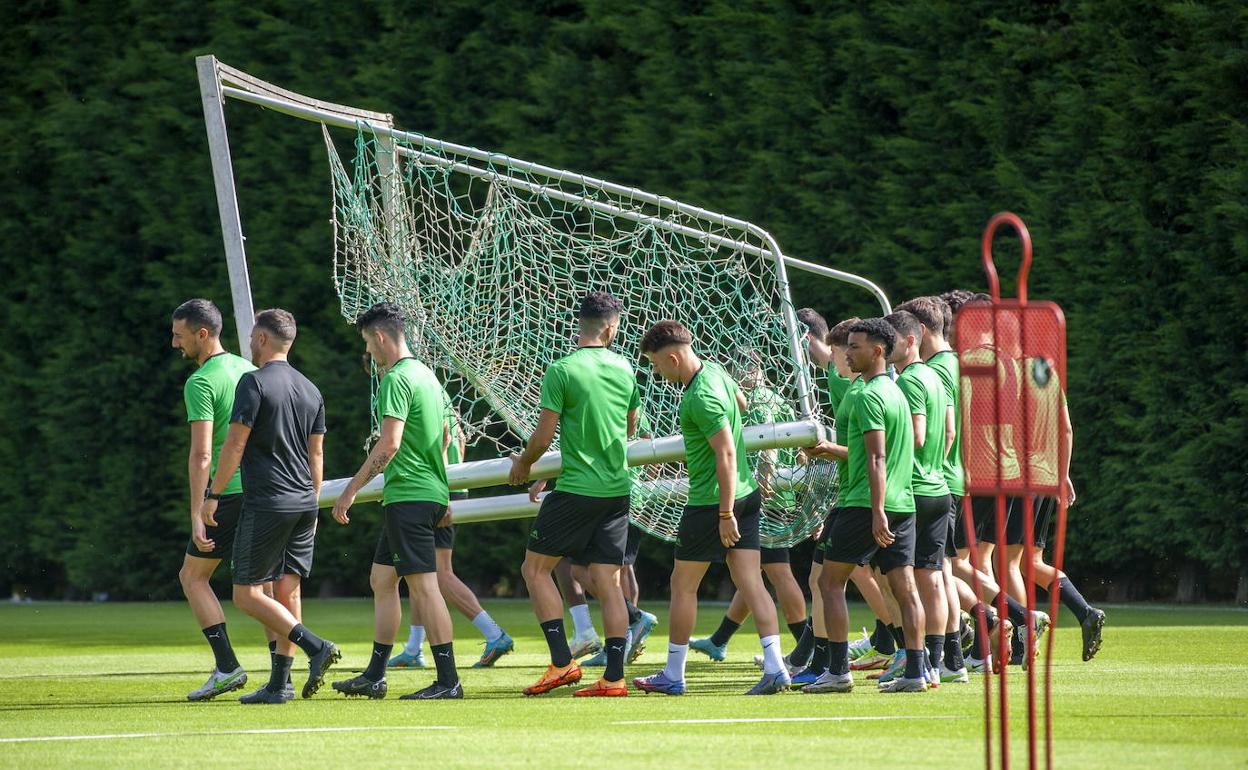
x,y
1092,625
362,685
318,664
436,691
266,696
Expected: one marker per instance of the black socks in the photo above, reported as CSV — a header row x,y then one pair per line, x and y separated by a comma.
x,y
557,641
634,614
914,661
805,635
221,648
838,657
819,661
280,674
725,631
953,651
307,641
935,644
444,659
615,658
376,670
1071,597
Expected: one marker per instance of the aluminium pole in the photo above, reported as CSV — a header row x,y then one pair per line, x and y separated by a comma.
x,y
227,201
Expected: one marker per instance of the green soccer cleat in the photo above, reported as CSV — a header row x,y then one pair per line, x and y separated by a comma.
x,y
949,676
860,647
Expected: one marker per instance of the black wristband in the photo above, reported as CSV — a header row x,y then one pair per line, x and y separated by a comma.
x,y
210,495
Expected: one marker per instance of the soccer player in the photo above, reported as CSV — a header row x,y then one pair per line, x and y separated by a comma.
x,y
983,440
929,410
827,351
876,519
277,432
721,515
410,455
591,397
454,590
766,406
935,319
1050,408
209,398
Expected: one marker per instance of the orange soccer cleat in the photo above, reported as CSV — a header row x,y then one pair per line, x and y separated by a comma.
x,y
603,689
555,676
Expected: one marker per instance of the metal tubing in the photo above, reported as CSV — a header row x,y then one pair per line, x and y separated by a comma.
x,y
227,202
488,473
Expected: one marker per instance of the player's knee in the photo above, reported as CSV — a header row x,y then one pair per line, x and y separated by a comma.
x,y
189,578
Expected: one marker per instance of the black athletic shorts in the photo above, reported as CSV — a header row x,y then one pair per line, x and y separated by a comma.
x,y
698,536
229,508
268,545
587,530
822,542
407,536
1046,519
444,537
955,526
985,510
774,555
851,540
931,530
633,545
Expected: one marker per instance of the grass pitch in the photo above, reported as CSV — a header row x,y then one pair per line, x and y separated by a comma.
x,y
104,685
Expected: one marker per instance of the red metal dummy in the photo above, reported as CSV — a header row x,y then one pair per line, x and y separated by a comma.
x,y
1012,360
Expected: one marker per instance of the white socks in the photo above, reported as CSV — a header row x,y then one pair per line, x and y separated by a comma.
x,y
676,654
773,660
414,640
486,625
582,620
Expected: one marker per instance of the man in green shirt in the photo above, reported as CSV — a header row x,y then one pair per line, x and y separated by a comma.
x,y
766,406
875,521
411,456
929,409
497,642
591,397
721,515
209,398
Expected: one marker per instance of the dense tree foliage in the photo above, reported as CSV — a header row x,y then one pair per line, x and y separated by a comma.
x,y
878,137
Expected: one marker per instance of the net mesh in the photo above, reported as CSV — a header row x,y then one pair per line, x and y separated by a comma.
x,y
490,261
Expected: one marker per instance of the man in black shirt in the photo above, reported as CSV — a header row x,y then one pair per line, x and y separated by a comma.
x,y
277,432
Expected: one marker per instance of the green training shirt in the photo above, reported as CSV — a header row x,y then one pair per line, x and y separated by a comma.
x,y
945,364
593,389
880,405
209,396
841,410
708,406
838,386
926,395
417,473
766,405
453,455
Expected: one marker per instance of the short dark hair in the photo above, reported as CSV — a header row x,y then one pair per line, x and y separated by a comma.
x,y
664,333
280,323
927,311
815,323
956,298
905,323
386,316
878,331
839,334
600,305
199,314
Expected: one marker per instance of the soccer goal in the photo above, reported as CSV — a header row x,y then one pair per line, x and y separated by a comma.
x,y
488,255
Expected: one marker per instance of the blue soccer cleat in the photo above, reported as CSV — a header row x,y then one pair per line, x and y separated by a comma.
x,y
804,677
404,660
495,650
710,649
638,633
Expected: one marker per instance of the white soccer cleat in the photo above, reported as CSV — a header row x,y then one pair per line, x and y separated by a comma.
x,y
829,682
585,645
219,682
949,676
